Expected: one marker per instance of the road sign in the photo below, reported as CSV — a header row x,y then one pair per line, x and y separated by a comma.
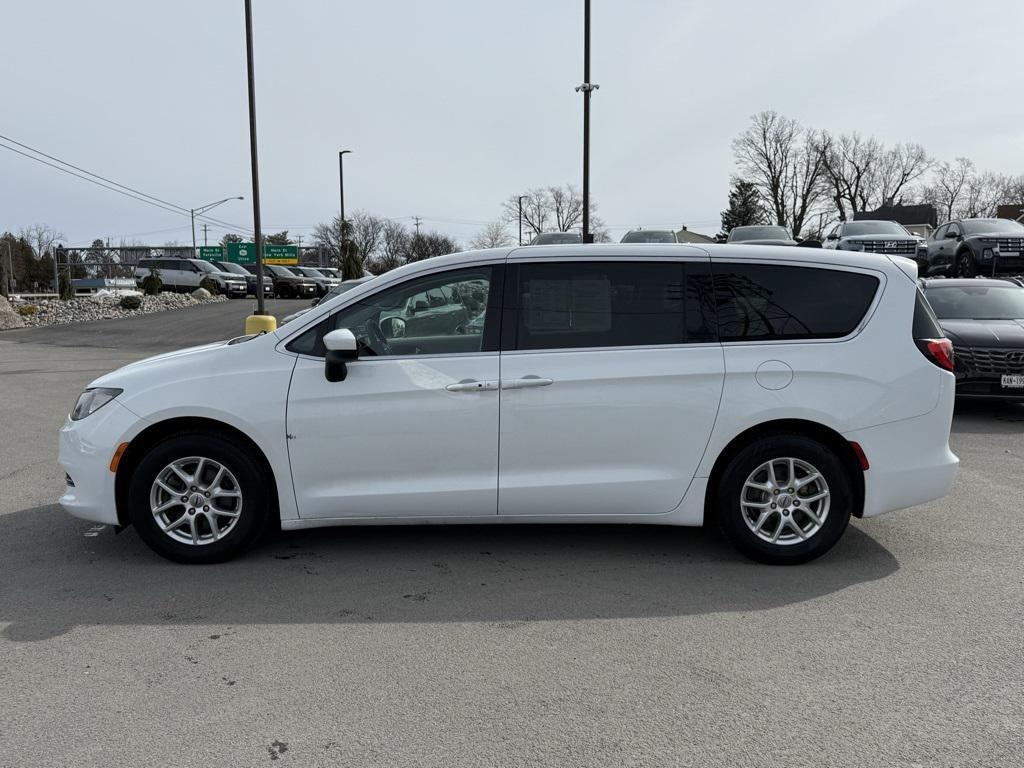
x,y
211,252
245,253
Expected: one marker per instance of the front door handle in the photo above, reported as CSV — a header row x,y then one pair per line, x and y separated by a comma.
x,y
527,382
472,385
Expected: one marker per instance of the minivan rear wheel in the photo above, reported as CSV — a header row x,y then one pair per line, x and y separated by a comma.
x,y
198,498
784,500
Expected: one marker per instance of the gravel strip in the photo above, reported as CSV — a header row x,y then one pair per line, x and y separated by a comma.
x,y
85,308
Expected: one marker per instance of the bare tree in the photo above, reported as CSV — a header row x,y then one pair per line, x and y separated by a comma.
x,y
41,237
551,209
780,158
367,233
946,192
394,247
493,235
984,193
851,166
898,168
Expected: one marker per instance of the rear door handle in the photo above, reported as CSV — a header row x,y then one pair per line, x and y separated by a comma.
x,y
527,382
472,385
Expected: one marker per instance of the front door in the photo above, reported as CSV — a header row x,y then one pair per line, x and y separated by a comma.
x,y
413,429
610,385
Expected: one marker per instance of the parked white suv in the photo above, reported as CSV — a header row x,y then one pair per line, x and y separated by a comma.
x,y
185,275
771,391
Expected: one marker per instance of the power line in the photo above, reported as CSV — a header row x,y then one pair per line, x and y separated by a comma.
x,y
121,189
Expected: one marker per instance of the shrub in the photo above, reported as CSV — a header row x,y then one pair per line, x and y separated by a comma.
x,y
27,309
209,284
131,302
64,288
151,283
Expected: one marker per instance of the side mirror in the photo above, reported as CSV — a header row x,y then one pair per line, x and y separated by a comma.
x,y
952,235
419,306
832,236
314,302
341,348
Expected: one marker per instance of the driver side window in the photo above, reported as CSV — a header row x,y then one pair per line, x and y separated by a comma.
x,y
439,314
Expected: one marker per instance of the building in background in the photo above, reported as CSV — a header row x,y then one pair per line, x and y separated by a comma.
x,y
686,236
919,219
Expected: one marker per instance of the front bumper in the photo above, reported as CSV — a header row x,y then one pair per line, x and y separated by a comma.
x,y
235,289
86,448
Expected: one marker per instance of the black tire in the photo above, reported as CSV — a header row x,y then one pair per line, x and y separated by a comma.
x,y
253,485
964,264
732,519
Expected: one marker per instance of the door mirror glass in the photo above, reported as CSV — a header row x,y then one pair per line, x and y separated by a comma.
x,y
833,236
952,235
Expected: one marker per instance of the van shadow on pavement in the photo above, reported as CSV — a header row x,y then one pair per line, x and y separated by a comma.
x,y
59,578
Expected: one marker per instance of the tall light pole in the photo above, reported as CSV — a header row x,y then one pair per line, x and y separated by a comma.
x,y
255,161
341,194
586,88
203,209
521,219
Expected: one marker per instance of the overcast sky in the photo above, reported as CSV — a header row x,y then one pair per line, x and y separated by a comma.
x,y
450,106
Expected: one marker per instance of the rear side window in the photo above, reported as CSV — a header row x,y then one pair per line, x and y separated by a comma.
x,y
926,326
765,302
572,305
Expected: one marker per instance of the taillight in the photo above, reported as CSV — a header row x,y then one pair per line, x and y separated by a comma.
x,y
939,351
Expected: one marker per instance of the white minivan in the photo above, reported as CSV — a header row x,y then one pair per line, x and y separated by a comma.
x,y
772,391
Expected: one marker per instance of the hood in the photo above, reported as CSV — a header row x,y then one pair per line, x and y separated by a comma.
x,y
168,359
995,236
985,333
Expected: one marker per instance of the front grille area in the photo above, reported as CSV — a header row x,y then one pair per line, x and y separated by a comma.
x,y
987,361
898,247
1011,244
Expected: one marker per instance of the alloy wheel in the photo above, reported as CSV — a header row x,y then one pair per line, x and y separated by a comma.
x,y
785,501
196,500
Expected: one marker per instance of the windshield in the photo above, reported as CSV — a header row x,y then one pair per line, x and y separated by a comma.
x,y
556,238
650,236
993,226
856,228
204,265
308,271
227,266
977,302
739,234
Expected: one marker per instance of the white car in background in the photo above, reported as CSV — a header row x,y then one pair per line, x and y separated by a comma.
x,y
772,391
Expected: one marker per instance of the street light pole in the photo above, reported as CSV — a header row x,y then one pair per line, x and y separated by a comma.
x,y
255,161
521,219
203,209
193,212
586,88
341,192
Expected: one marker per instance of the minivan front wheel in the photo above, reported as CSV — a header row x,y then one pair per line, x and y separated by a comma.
x,y
197,498
784,500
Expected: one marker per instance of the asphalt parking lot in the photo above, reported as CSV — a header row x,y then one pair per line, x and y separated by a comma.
x,y
497,646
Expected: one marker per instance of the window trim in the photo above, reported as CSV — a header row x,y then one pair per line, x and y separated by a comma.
x,y
868,313
495,293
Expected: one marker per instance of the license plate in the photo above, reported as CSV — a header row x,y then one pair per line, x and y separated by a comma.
x,y
1013,381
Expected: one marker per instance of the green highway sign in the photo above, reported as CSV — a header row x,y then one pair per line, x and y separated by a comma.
x,y
245,253
211,252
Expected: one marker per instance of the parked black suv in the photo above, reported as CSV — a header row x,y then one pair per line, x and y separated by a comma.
x,y
969,247
250,278
287,285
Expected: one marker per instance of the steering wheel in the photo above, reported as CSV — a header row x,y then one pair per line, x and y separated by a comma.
x,y
377,339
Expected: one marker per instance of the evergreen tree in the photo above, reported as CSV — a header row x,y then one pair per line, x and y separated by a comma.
x,y
745,207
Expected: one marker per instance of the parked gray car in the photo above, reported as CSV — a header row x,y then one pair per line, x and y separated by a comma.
x,y
874,237
969,247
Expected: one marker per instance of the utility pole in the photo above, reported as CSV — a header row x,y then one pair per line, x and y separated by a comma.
x,y
206,229
255,161
416,223
10,264
586,88
521,219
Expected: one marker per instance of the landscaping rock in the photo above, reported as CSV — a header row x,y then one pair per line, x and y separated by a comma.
x,y
86,308
8,317
201,293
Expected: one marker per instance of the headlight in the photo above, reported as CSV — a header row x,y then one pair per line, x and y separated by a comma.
x,y
853,245
92,400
